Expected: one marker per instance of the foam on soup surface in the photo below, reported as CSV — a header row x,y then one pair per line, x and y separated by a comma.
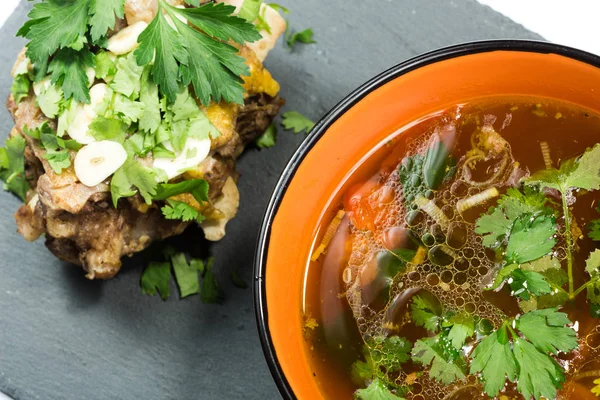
x,y
460,261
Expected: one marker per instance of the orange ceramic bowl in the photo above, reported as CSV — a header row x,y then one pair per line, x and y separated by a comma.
x,y
357,126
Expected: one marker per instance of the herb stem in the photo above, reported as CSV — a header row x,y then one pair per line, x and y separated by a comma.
x,y
585,285
569,241
560,289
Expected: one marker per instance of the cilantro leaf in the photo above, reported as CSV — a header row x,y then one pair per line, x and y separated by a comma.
x,y
20,88
68,68
268,138
581,172
182,211
493,357
186,275
305,36
133,174
539,375
108,129
12,166
546,330
530,238
447,365
389,352
296,122
462,326
128,77
156,278
103,16
425,312
151,118
197,187
211,291
49,100
377,390
106,68
54,24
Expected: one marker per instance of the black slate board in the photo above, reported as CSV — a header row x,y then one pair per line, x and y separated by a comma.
x,y
63,337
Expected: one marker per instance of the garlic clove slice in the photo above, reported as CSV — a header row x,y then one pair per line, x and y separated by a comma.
x,y
194,152
97,161
85,114
126,40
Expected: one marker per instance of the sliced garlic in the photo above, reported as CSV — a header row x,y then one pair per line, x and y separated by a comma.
x,y
126,40
97,161
85,114
91,75
276,24
194,152
41,86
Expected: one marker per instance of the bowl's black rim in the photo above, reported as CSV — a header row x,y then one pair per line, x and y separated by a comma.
x,y
260,300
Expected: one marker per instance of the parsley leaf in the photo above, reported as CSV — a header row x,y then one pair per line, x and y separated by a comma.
x,y
238,281
547,331
493,357
182,211
54,24
305,36
389,352
426,312
377,390
294,121
495,226
133,174
156,278
581,172
12,166
267,139
103,13
186,275
592,264
539,375
524,283
447,365
594,230
530,238
197,187
211,291
187,54
151,118
68,68
462,326
161,43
